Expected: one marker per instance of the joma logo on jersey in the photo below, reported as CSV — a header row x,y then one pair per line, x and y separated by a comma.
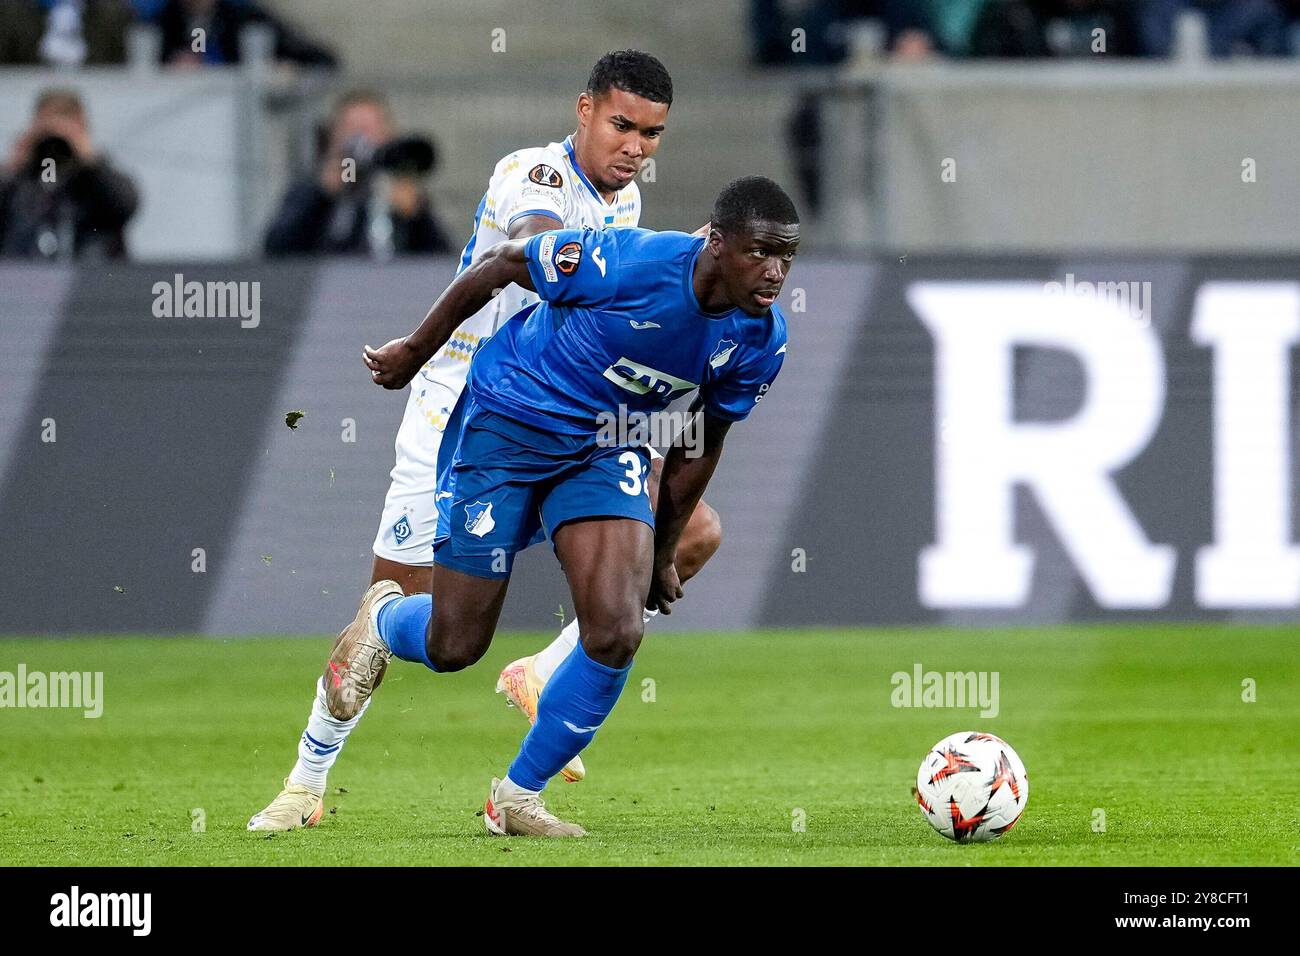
x,y
644,380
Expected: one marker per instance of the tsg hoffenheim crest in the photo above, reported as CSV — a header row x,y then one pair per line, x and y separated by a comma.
x,y
722,353
478,519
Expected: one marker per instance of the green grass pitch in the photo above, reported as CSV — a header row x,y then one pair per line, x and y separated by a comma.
x,y
719,746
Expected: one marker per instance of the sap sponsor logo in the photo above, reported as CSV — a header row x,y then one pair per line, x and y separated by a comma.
x,y
74,908
545,175
644,380
76,690
478,519
568,257
546,256
722,353
179,299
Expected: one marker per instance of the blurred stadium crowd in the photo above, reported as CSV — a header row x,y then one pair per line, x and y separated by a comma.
x,y
75,33
61,196
94,32
916,29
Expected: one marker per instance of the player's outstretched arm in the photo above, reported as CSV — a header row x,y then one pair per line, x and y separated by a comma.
x,y
681,486
395,364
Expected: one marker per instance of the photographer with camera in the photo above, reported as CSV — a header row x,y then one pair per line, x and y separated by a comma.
x,y
366,196
59,196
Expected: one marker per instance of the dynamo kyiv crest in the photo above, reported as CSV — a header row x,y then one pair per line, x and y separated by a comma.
x,y
402,530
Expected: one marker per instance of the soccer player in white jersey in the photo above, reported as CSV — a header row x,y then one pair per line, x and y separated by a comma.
x,y
587,180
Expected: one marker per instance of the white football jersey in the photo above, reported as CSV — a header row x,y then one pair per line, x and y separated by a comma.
x,y
542,180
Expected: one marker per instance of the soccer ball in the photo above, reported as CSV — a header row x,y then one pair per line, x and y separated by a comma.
x,y
972,787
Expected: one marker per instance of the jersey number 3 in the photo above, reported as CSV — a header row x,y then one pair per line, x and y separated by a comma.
x,y
633,483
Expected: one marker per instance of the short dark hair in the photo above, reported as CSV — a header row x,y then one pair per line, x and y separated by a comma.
x,y
632,72
749,200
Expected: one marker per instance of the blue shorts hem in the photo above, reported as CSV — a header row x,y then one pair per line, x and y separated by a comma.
x,y
473,565
570,519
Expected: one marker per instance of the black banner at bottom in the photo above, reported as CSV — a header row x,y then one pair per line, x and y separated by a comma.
x,y
295,905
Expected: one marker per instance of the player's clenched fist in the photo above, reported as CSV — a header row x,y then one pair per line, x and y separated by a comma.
x,y
392,365
665,588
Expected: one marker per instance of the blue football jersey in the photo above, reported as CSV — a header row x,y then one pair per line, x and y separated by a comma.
x,y
619,324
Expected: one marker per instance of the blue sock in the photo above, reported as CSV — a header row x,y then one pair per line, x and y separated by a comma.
x,y
404,626
577,698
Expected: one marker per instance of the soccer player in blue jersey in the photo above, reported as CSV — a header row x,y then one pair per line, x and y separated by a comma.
x,y
588,179
628,321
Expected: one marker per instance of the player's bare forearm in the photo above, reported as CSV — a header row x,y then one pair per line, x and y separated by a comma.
x,y
680,489
395,364
681,486
474,288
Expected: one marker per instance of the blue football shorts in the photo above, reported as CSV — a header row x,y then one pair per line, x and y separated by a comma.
x,y
507,485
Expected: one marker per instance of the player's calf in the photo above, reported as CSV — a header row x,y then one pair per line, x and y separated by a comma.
x,y
464,618
454,654
699,542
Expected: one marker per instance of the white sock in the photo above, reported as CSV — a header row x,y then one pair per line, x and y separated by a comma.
x,y
555,652
321,743
374,619
507,789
